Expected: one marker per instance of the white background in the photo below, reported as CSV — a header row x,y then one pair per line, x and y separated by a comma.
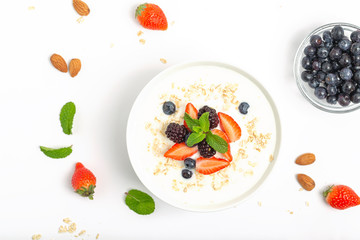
x,y
260,37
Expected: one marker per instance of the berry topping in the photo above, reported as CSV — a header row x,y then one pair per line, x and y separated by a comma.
x,y
192,111
223,135
230,127
341,197
186,173
176,132
205,150
169,108
213,117
190,163
180,151
208,166
244,106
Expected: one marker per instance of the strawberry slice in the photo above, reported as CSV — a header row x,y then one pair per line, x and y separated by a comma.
x,y
192,111
180,151
230,127
223,135
208,166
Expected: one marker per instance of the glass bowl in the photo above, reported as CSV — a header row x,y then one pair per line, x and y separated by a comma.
x,y
304,87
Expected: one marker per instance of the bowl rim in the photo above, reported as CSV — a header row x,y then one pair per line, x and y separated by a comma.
x,y
300,83
261,181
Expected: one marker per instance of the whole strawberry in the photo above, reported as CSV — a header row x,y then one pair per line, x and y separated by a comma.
x,y
341,197
151,16
83,181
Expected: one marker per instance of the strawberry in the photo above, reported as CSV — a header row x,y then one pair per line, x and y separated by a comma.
x,y
192,111
151,16
341,197
208,166
230,127
221,134
83,181
180,151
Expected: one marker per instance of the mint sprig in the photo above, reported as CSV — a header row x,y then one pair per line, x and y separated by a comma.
x,y
140,202
201,130
67,117
56,152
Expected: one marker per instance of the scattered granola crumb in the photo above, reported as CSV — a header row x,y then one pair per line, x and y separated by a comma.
x,y
248,173
271,158
97,236
307,203
62,229
252,164
259,204
80,19
139,33
301,189
31,8
82,232
66,220
36,236
142,41
172,23
163,60
291,212
112,45
72,228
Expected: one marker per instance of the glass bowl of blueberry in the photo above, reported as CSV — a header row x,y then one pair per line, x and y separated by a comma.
x,y
327,67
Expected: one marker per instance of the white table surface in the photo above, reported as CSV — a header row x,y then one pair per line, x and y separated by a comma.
x,y
260,37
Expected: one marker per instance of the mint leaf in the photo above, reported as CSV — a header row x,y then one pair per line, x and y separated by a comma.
x,y
204,122
56,152
195,138
140,202
197,129
216,142
67,116
191,123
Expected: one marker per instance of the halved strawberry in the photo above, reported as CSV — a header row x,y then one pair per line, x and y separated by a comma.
x,y
192,111
180,151
208,166
230,127
223,135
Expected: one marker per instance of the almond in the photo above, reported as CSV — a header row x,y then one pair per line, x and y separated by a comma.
x,y
305,159
81,7
306,182
59,63
74,67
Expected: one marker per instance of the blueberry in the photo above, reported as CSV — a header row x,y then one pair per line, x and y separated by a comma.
x,y
305,76
328,45
169,108
346,74
345,60
356,66
356,58
348,87
355,97
327,36
344,99
344,44
310,51
335,66
337,33
306,63
322,52
357,77
355,36
320,76
355,48
186,173
190,163
332,99
326,67
316,65
331,79
315,41
313,83
335,53
244,106
331,89
320,92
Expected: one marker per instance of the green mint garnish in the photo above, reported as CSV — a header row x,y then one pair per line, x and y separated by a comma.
x,y
216,142
191,123
56,152
195,138
204,122
140,202
67,116
197,129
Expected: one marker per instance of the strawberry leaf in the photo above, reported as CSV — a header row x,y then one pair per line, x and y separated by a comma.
x,y
140,202
204,122
191,123
216,142
195,138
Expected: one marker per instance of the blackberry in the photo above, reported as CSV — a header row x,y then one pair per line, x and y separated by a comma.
x,y
213,117
205,150
176,132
